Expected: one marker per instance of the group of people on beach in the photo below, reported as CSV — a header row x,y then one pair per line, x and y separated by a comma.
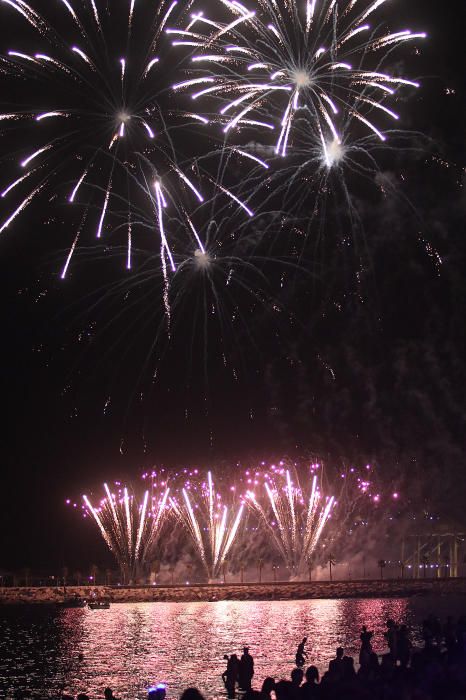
x,y
238,671
436,671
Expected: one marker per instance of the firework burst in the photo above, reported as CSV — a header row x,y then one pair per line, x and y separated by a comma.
x,y
210,525
322,57
130,529
294,519
95,128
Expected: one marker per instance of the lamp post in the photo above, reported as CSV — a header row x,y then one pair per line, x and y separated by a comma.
x,y
381,564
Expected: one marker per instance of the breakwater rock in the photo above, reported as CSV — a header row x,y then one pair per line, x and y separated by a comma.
x,y
240,591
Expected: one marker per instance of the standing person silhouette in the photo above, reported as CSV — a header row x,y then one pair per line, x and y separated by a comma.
x,y
230,675
366,646
246,670
301,654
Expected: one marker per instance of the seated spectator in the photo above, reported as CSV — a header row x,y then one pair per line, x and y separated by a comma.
x,y
284,690
310,689
335,665
297,675
191,694
157,693
267,686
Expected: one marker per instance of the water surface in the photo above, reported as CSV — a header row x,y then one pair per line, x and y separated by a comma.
x,y
133,645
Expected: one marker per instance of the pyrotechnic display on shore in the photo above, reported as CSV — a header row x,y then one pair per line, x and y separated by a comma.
x,y
210,524
280,511
130,529
294,519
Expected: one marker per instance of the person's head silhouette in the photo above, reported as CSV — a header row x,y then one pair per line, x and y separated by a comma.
x,y
157,693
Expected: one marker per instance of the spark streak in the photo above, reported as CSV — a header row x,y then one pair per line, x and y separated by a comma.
x,y
214,539
27,160
295,527
130,530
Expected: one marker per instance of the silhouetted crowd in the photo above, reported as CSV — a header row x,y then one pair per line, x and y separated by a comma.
x,y
436,671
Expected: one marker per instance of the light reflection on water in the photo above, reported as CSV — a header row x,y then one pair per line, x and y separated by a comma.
x,y
131,646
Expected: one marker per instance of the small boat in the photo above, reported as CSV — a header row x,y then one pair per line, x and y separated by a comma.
x,y
74,602
102,604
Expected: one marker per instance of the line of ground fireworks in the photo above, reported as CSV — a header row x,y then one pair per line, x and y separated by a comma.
x,y
291,512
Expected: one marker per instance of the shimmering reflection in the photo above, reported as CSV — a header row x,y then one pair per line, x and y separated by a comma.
x,y
131,646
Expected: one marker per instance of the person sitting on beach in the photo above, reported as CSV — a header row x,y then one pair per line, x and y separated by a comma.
x,y
347,668
252,695
297,675
191,694
157,693
335,665
267,686
284,690
108,694
310,689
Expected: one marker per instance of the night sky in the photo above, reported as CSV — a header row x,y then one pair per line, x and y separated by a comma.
x,y
358,354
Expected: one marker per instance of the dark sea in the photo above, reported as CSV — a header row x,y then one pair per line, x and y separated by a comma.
x,y
132,646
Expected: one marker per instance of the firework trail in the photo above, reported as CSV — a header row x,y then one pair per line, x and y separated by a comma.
x,y
212,297
294,519
212,528
130,529
281,60
317,178
95,127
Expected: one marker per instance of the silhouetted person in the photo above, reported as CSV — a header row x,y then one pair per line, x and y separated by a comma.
x,y
224,674
230,675
404,646
191,694
335,665
252,695
284,690
157,693
366,646
391,635
461,633
436,627
246,670
347,668
297,675
108,694
371,671
310,689
267,686
449,632
301,654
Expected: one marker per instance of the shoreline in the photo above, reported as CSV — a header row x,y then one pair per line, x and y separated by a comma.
x,y
204,592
